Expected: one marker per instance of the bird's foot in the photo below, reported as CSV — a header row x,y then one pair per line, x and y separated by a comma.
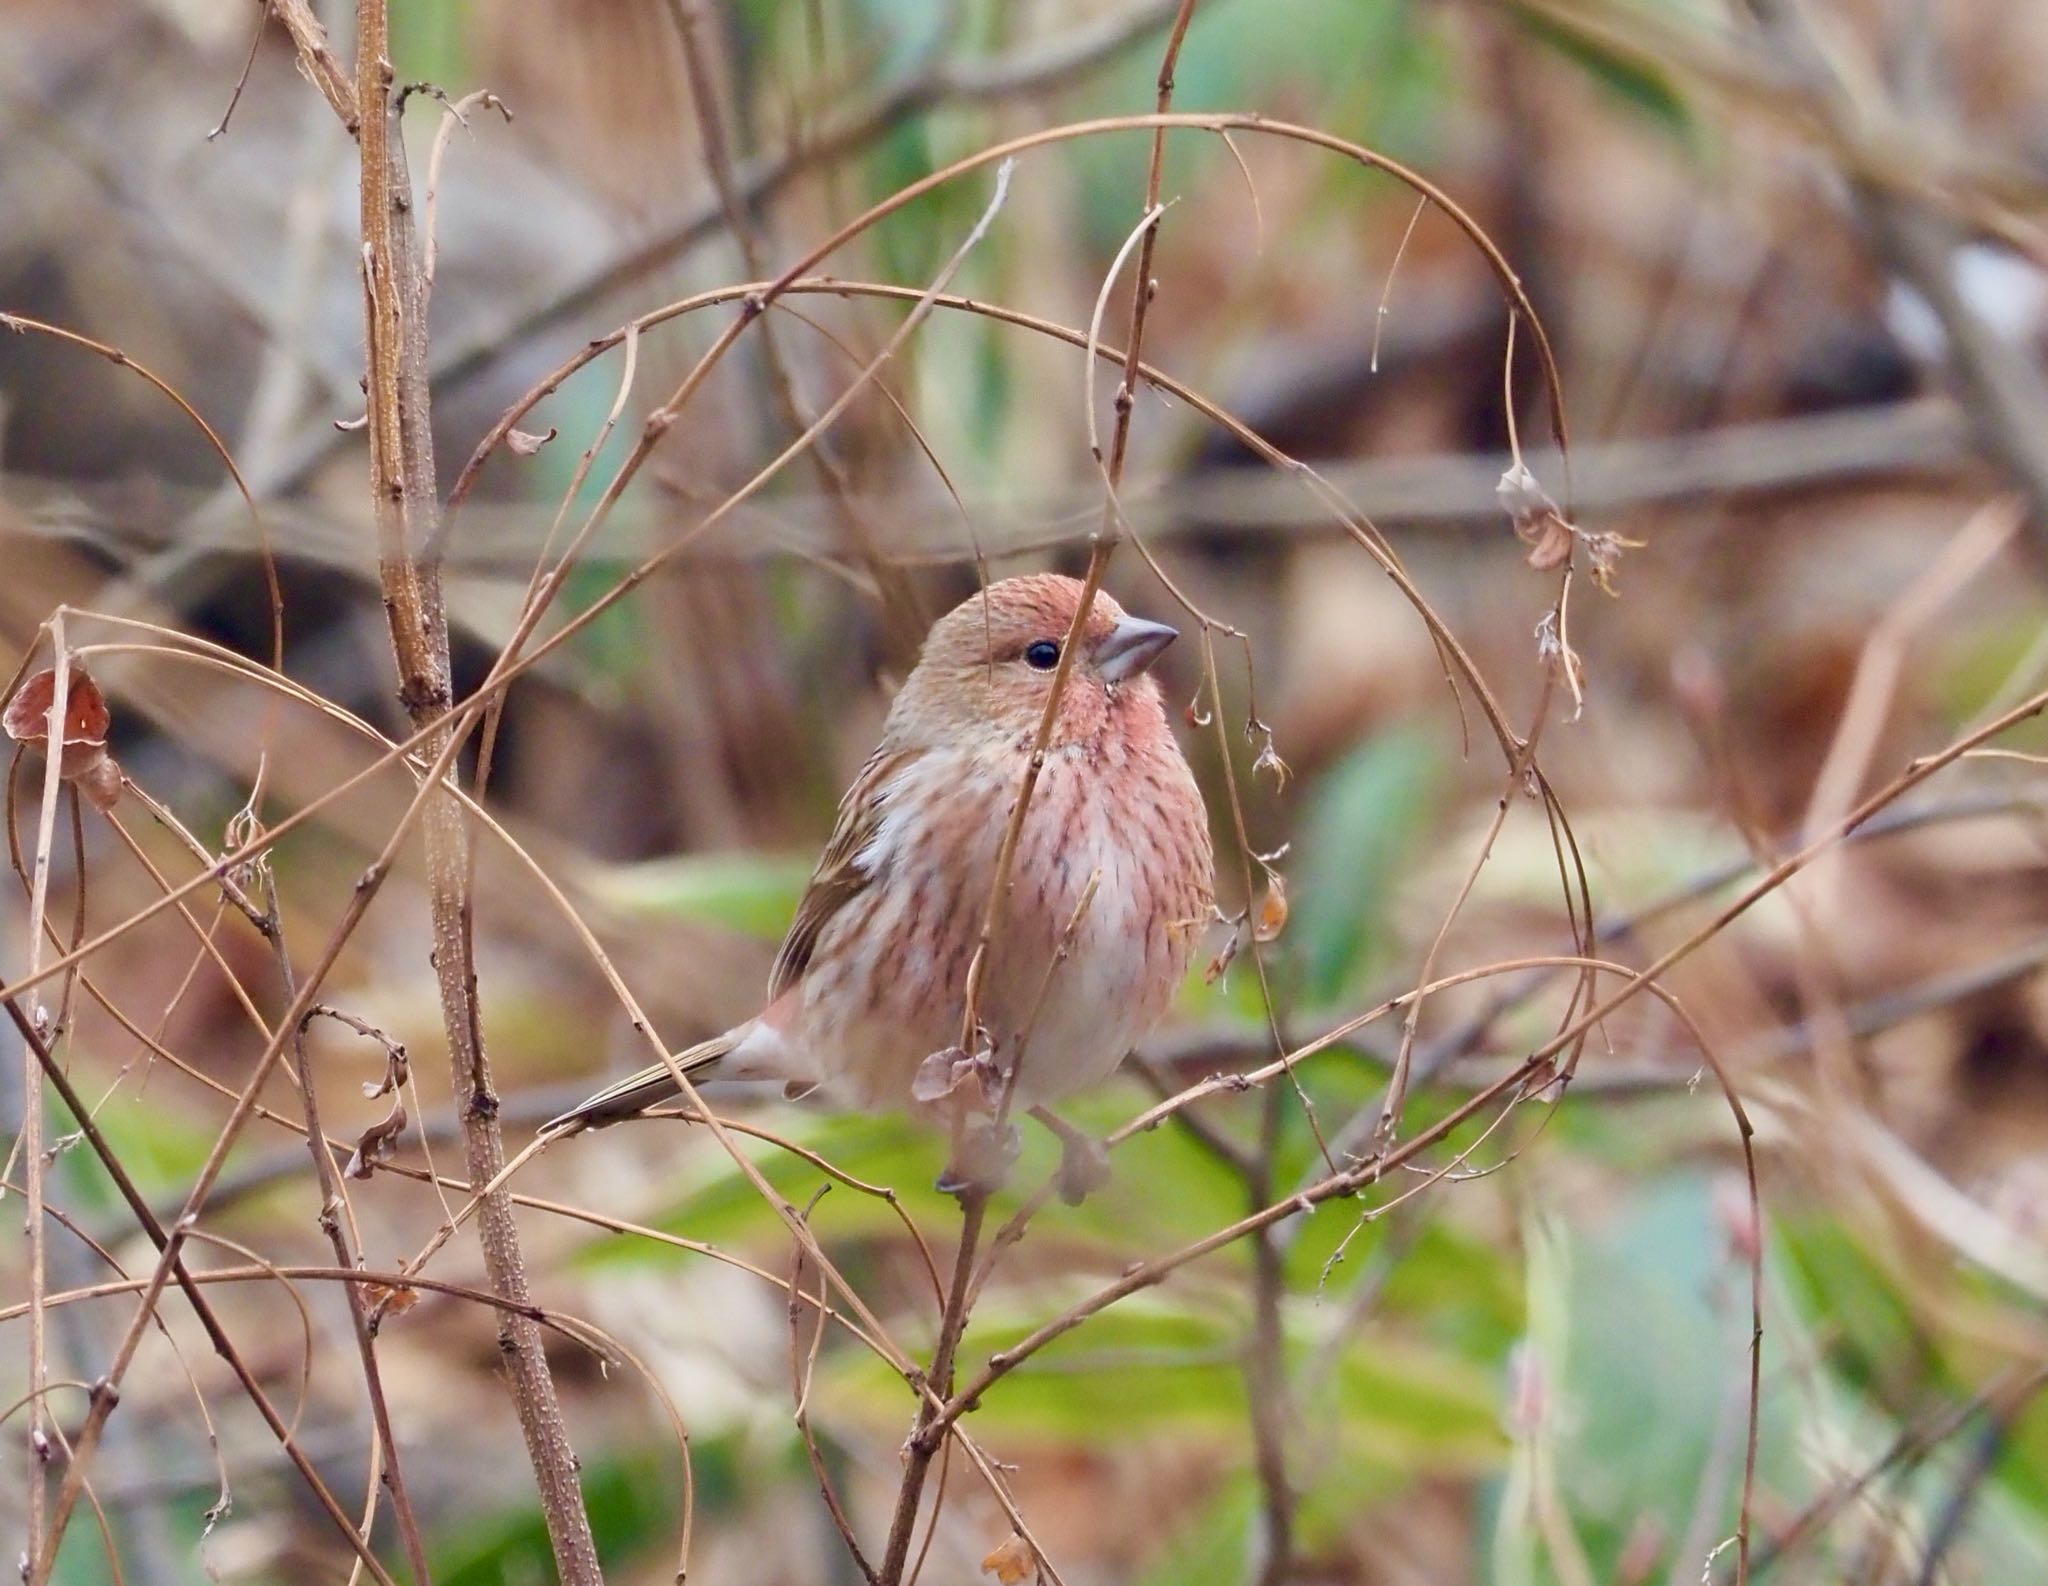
x,y
1084,1160
983,1154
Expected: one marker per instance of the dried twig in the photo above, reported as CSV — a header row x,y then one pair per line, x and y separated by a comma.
x,y
906,620
318,61
929,81
404,491
171,1265
332,1195
927,1433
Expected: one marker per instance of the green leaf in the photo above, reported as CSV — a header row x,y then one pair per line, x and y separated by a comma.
x,y
431,41
1847,1294
716,1204
1149,1363
2022,1469
634,1504
160,1146
754,893
1216,1546
1366,818
1412,1407
1627,77
1165,1188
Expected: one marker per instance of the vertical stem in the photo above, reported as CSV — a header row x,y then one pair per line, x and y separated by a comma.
x,y
928,1432
404,489
1265,1368
32,1105
330,1222
106,1390
926,1437
905,620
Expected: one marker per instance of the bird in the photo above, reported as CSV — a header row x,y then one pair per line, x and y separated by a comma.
x,y
1110,892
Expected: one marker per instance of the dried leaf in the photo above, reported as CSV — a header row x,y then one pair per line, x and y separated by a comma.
x,y
1269,760
1538,522
1271,919
86,717
376,1143
1550,542
1219,966
1552,650
83,759
1546,1084
937,1075
1551,536
1522,498
524,443
392,1301
1604,552
1011,1562
941,1075
395,1071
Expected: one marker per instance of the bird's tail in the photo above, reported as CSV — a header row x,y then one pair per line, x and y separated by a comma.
x,y
648,1088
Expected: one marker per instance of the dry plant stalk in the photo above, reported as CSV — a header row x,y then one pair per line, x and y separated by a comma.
x,y
928,1435
404,495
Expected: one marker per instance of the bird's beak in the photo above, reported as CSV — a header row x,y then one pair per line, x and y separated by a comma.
x,y
1130,648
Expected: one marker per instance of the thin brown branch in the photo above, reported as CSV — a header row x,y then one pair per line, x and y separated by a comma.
x,y
926,84
242,78
171,1265
927,1435
1265,1362
403,488
120,360
803,1360
430,777
331,1198
905,620
2005,1395
169,1259
318,61
30,1141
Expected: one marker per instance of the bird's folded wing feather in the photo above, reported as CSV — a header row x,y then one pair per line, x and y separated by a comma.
x,y
845,869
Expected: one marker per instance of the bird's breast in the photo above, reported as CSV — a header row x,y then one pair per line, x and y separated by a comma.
x,y
1091,934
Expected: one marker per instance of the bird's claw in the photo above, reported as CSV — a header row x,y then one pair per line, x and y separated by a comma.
x,y
1084,1160
982,1158
1084,1166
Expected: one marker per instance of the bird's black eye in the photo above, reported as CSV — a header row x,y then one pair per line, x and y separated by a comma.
x,y
1042,656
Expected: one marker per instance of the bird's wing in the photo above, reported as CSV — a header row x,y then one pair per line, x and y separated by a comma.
x,y
841,875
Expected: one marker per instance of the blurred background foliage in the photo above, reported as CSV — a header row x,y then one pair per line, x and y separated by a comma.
x,y
1536,1371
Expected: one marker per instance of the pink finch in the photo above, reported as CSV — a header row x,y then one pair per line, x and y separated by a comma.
x,y
1109,891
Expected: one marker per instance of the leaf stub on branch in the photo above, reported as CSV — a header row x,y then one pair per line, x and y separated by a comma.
x,y
1011,1562
1271,918
376,1143
953,1070
1551,537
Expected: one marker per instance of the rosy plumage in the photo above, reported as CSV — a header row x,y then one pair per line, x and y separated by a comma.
x,y
872,977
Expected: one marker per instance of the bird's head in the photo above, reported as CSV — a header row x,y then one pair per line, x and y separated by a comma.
x,y
989,663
